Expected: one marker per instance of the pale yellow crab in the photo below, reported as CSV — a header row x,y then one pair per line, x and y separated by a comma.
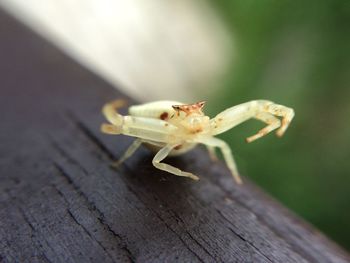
x,y
172,128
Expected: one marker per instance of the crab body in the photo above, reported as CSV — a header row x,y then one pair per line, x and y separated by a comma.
x,y
172,128
188,126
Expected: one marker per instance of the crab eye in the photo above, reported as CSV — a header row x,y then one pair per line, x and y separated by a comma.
x,y
176,107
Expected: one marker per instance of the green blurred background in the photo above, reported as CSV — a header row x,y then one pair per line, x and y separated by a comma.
x,y
295,53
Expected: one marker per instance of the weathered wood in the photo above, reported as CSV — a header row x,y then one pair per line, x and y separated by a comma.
x,y
61,202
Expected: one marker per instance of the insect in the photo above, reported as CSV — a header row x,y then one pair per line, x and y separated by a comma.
x,y
172,128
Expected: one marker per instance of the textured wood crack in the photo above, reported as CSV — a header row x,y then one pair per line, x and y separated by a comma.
x,y
297,248
37,242
89,134
88,233
92,208
250,243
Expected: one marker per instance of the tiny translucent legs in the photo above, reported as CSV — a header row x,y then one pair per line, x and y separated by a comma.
x,y
262,110
161,155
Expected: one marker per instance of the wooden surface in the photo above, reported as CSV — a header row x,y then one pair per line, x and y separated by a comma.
x,y
61,202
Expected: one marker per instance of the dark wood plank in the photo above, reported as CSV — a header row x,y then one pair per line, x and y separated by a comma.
x,y
61,202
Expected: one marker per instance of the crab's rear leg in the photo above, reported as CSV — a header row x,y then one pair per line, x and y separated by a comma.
x,y
129,152
260,109
161,155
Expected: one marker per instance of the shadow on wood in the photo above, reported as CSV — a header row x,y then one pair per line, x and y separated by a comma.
x,y
60,201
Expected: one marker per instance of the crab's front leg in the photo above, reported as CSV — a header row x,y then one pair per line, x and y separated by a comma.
x,y
259,109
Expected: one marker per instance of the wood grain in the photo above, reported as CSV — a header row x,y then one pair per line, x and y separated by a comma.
x,y
61,202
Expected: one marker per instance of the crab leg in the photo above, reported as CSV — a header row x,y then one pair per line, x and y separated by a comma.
x,y
259,109
130,151
226,152
272,121
212,153
161,155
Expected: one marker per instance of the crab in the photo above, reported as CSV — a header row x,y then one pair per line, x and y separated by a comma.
x,y
172,128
